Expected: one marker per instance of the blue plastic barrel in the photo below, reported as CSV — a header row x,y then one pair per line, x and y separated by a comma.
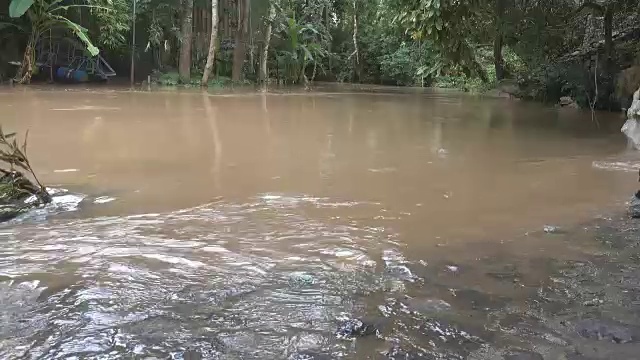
x,y
64,73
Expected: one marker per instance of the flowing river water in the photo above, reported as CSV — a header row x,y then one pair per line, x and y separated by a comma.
x,y
255,225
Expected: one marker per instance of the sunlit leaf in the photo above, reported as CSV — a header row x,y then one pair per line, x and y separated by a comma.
x,y
17,8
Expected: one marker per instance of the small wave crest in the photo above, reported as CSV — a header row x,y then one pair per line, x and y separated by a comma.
x,y
628,166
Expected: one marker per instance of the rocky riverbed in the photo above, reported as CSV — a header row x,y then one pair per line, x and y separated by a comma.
x,y
513,301
583,309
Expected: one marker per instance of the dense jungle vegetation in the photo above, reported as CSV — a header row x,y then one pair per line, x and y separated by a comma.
x,y
538,49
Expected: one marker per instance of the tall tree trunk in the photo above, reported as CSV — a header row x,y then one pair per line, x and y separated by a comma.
x,y
212,43
186,34
264,71
609,50
328,26
608,36
498,40
239,52
355,42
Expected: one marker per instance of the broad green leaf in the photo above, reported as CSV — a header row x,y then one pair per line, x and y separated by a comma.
x,y
17,8
81,33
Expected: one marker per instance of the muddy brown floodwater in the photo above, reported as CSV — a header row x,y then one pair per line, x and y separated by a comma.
x,y
355,223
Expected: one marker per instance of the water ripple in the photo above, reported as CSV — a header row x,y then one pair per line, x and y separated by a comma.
x,y
246,277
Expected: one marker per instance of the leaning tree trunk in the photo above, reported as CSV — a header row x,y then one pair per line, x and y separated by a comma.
x,y
239,52
264,71
212,43
499,40
186,34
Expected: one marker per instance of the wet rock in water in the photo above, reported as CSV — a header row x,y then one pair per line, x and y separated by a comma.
x,y
401,272
523,355
10,211
397,353
551,229
602,330
301,279
634,206
16,192
356,328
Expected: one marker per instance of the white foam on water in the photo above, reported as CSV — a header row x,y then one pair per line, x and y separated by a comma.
x,y
617,166
67,202
30,285
103,200
174,260
214,248
270,197
65,170
114,267
61,201
383,170
85,107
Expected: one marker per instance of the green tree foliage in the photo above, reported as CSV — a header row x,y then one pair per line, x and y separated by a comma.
x,y
547,48
111,22
304,47
449,24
